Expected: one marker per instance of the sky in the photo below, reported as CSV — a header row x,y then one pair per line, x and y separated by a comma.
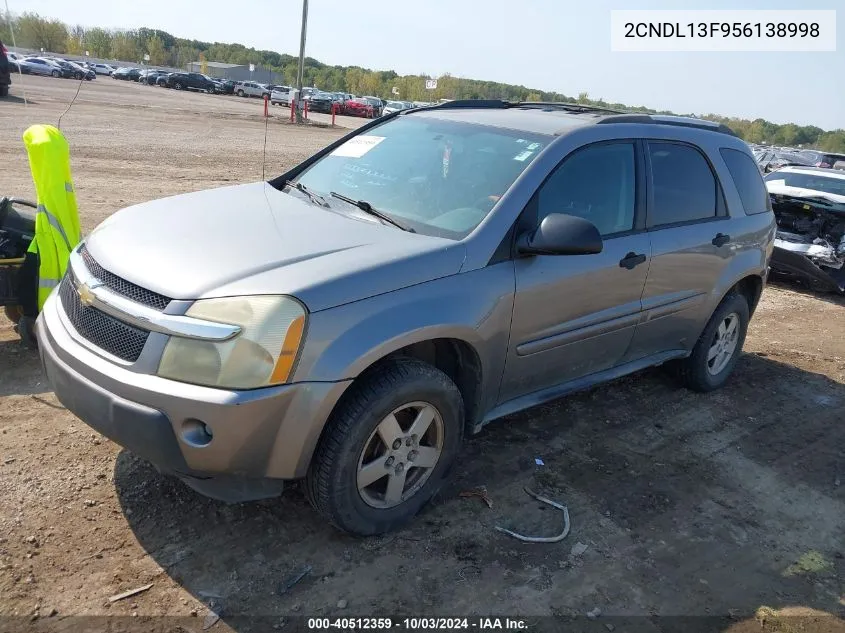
x,y
560,45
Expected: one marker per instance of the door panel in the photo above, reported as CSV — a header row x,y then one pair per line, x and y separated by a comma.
x,y
690,245
573,315
685,267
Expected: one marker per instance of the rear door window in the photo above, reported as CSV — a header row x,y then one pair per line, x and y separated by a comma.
x,y
748,181
684,188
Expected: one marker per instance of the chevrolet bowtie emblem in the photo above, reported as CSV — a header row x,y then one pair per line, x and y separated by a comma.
x,y
86,297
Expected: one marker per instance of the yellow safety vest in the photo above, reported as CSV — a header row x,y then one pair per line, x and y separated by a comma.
x,y
57,220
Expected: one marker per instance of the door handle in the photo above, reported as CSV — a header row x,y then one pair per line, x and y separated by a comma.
x,y
631,259
721,239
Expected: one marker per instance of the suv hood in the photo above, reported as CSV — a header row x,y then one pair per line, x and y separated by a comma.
x,y
254,239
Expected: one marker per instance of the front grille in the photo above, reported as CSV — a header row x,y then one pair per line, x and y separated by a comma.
x,y
121,286
114,336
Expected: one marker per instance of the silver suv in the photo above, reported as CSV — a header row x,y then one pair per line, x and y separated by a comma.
x,y
348,322
251,89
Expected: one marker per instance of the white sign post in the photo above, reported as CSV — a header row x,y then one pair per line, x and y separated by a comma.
x,y
431,84
395,91
146,57
251,70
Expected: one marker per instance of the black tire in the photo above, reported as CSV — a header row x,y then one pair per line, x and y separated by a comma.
x,y
693,371
55,73
4,90
240,93
78,76
330,484
178,86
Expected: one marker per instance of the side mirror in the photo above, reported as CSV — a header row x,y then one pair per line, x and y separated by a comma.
x,y
560,234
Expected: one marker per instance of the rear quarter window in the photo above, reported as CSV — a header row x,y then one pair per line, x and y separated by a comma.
x,y
748,180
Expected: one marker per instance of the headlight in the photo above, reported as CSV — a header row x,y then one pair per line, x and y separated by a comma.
x,y
262,354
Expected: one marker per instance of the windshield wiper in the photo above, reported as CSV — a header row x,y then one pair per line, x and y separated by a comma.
x,y
314,197
366,207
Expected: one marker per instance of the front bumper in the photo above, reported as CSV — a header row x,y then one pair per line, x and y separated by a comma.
x,y
797,266
257,435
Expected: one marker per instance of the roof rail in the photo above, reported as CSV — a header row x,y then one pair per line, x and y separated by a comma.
x,y
658,119
563,105
502,104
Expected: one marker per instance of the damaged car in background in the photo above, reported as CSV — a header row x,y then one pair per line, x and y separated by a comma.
x,y
809,206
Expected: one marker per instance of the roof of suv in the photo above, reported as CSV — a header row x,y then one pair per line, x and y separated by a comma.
x,y
552,118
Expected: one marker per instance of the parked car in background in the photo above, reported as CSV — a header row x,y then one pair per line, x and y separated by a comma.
x,y
13,57
68,71
280,96
770,160
821,159
355,324
40,66
396,106
151,77
358,106
322,102
809,205
190,81
226,86
103,69
161,80
378,105
79,71
250,89
127,74
5,71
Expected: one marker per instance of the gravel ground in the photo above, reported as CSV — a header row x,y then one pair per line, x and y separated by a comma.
x,y
681,503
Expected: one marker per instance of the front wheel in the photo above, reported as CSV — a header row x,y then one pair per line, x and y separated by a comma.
x,y
55,73
240,93
719,347
387,448
177,85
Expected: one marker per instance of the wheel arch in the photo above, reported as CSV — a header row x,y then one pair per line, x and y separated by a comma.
x,y
456,357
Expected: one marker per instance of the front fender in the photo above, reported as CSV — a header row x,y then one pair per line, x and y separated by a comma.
x,y
474,307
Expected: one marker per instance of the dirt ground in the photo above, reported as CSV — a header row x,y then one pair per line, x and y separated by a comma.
x,y
681,504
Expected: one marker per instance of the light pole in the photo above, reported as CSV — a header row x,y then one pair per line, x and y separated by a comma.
x,y
301,70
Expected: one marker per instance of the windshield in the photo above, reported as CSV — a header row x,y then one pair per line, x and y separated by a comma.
x,y
440,177
808,181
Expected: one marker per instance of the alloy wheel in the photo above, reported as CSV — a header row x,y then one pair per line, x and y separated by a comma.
x,y
724,344
400,455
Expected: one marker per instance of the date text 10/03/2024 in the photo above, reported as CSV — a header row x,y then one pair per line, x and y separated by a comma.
x,y
417,624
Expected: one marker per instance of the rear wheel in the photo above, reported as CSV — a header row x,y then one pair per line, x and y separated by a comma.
x,y
719,347
240,93
387,449
55,73
177,85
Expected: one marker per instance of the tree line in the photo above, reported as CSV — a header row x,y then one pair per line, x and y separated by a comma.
x,y
33,31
